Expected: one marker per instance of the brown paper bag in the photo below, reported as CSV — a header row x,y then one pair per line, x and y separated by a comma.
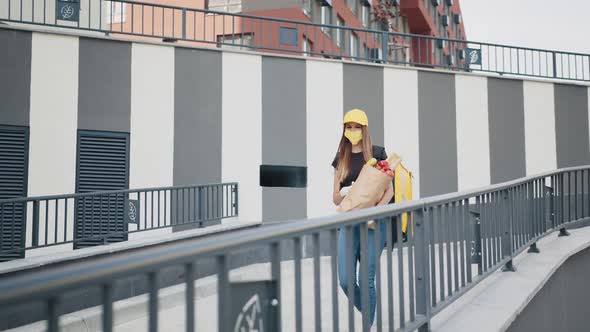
x,y
369,187
367,190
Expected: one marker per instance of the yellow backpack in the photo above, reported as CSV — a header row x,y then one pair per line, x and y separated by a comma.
x,y
403,191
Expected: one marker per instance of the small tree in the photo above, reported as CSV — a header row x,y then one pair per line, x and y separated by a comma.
x,y
384,12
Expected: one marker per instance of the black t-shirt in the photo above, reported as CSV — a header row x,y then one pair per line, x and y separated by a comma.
x,y
357,161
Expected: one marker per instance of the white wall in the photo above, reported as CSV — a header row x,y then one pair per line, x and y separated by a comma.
x,y
242,131
324,130
152,122
401,119
473,139
53,124
539,123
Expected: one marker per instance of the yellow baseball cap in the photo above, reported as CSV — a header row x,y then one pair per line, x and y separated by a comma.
x,y
356,116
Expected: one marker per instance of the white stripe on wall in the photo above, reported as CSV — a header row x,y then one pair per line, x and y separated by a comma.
x,y
152,122
53,122
473,139
324,130
401,119
242,130
539,123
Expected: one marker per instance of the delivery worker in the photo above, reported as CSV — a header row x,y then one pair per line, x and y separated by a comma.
x,y
354,151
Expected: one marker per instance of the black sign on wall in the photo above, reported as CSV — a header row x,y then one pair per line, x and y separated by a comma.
x,y
68,10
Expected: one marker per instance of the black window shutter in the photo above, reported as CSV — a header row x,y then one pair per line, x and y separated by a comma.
x,y
102,164
14,153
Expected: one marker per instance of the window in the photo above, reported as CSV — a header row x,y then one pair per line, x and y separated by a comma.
x,y
326,18
352,5
14,156
354,43
231,6
115,12
339,32
306,5
237,41
366,15
102,164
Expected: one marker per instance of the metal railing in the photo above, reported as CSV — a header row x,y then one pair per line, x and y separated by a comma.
x,y
454,242
97,218
208,28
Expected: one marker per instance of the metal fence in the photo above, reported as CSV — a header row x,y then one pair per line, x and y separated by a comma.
x,y
454,242
208,28
97,218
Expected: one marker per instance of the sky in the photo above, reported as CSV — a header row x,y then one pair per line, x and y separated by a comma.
x,y
562,25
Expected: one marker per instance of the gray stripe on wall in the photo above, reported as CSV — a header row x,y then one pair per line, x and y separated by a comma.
x,y
571,125
283,133
437,134
197,117
283,203
283,112
363,89
15,77
104,91
506,120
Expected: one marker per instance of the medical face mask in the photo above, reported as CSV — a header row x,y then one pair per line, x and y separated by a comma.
x,y
353,136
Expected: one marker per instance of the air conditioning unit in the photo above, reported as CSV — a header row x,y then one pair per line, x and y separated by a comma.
x,y
375,53
450,60
395,3
457,18
449,2
461,54
435,3
441,43
445,20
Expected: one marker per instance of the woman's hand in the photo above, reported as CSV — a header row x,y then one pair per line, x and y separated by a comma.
x,y
344,191
336,196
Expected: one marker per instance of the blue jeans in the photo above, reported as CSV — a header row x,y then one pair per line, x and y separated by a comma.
x,y
356,255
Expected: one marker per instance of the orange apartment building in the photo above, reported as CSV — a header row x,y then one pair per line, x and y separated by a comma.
x,y
198,25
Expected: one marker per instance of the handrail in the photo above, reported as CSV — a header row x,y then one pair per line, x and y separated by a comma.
x,y
103,217
525,210
259,33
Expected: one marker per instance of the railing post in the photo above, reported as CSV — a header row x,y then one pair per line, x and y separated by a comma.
x,y
183,23
422,282
475,220
554,56
384,46
201,212
549,207
562,193
508,238
35,223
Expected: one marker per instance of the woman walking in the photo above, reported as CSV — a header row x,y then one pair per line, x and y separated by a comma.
x,y
354,151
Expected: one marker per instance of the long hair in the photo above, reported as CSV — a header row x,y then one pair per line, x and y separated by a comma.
x,y
345,152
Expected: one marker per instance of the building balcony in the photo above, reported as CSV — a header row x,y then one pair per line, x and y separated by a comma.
x,y
418,14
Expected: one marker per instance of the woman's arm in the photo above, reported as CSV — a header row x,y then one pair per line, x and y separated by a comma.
x,y
336,197
387,196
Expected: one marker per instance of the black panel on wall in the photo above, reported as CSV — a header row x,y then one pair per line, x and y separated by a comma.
x,y
102,164
14,151
283,176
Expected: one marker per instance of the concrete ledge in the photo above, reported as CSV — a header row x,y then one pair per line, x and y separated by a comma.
x,y
494,304
147,240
